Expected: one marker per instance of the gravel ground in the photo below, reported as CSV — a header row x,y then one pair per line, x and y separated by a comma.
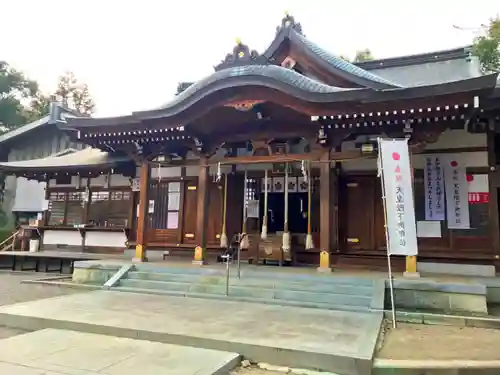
x,y
254,371
433,342
12,291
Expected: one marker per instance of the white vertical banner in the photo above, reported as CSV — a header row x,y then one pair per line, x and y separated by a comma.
x,y
457,194
398,187
434,188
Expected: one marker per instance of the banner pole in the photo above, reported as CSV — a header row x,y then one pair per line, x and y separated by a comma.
x,y
389,266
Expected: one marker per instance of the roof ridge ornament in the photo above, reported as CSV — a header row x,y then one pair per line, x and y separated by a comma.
x,y
242,55
289,22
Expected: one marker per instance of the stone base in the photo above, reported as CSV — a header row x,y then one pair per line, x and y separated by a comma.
x,y
324,269
411,275
199,262
139,260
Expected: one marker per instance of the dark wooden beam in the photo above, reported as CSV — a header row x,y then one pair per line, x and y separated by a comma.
x,y
142,219
493,186
325,204
202,211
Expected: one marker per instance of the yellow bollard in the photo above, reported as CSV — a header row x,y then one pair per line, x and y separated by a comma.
x,y
324,262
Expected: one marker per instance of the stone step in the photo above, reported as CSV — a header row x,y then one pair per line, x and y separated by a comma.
x,y
311,286
251,292
261,274
288,303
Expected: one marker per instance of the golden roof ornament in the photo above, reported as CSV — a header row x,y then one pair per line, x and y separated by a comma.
x,y
242,55
288,21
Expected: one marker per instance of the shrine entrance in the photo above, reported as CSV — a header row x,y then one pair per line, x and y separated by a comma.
x,y
361,214
297,212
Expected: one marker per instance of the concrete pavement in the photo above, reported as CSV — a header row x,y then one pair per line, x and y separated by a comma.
x,y
326,340
61,352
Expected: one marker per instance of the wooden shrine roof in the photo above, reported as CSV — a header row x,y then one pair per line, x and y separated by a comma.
x,y
240,83
245,76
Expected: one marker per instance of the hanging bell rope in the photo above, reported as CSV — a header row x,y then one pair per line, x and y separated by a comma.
x,y
263,234
223,235
286,234
309,238
244,244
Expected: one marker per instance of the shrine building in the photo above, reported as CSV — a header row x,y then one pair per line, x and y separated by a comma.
x,y
282,145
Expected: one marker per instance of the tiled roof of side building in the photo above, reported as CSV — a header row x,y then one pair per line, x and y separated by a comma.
x,y
88,157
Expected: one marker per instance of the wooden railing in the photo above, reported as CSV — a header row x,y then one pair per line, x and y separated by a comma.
x,y
9,243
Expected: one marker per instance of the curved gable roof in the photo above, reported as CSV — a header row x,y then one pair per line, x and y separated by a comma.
x,y
291,32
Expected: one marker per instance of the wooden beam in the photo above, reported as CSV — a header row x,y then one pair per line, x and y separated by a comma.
x,y
142,220
325,212
493,191
202,213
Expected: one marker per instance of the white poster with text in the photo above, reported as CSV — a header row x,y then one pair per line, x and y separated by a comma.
x,y
400,210
434,188
457,192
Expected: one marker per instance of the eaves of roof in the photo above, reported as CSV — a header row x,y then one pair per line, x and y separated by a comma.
x,y
240,82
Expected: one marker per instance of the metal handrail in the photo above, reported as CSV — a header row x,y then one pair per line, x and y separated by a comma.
x,y
238,260
227,257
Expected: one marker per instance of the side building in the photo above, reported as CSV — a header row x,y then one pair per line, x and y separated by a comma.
x,y
21,198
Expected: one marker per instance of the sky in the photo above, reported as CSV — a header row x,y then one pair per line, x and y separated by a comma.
x,y
133,53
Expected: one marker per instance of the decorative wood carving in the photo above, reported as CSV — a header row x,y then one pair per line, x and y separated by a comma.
x,y
261,148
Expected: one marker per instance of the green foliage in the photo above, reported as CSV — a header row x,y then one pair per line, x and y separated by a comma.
x,y
363,55
4,234
487,47
15,89
74,94
70,92
360,56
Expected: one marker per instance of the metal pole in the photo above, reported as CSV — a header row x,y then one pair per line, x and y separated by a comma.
x,y
389,266
238,262
227,256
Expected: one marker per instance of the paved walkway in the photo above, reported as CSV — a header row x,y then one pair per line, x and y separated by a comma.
x,y
296,337
60,352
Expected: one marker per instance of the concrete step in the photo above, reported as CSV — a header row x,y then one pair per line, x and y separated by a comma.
x,y
289,303
252,292
305,286
258,273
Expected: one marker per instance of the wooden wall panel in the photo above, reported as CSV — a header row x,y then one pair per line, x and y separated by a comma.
x,y
190,213
358,214
214,212
234,204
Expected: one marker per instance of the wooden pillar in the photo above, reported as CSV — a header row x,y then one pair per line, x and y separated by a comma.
x,y
202,213
493,185
142,219
325,213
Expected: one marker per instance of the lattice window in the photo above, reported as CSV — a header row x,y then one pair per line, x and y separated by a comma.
x,y
75,208
109,208
167,198
57,208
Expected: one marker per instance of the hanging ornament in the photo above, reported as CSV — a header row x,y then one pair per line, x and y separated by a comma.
x,y
219,173
309,239
263,234
303,167
244,243
286,233
223,236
